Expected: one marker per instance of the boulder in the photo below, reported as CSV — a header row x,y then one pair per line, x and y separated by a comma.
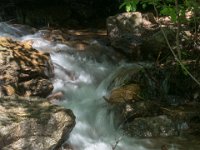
x,y
186,116
124,24
143,108
23,70
30,124
133,34
125,32
159,126
124,94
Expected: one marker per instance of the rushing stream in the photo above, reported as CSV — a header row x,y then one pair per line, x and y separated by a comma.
x,y
84,81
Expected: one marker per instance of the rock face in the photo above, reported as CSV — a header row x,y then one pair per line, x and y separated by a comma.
x,y
31,124
23,70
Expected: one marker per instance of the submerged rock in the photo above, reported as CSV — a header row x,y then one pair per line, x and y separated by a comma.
x,y
160,126
23,70
33,124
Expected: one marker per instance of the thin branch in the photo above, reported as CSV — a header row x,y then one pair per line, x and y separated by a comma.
x,y
178,30
116,143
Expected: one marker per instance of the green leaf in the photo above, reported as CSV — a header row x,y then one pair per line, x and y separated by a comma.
x,y
122,5
144,5
128,7
169,11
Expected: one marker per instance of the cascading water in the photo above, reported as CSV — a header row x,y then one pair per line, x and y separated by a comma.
x,y
84,82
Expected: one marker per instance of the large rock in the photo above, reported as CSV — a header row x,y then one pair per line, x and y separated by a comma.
x,y
160,126
33,124
125,32
23,70
124,94
133,34
187,117
124,24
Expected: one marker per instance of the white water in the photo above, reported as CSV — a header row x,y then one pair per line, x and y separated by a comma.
x,y
83,92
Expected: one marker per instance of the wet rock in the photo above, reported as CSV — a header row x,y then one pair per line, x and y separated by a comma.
x,y
124,76
101,53
16,30
186,116
160,126
30,124
66,146
23,70
56,36
124,94
142,108
55,97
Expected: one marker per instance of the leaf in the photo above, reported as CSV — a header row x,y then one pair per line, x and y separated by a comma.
x,y
144,5
169,11
173,16
128,7
122,5
134,5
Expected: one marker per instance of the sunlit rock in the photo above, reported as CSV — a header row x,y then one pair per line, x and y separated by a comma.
x,y
123,24
125,32
124,94
138,36
23,70
33,124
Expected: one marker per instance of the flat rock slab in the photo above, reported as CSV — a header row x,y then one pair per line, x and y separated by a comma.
x,y
33,124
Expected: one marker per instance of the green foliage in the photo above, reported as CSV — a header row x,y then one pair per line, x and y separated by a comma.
x,y
167,7
130,5
169,11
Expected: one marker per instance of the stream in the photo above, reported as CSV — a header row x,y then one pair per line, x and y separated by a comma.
x,y
84,81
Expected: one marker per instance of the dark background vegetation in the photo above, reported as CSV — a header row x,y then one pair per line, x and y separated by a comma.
x,y
58,12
